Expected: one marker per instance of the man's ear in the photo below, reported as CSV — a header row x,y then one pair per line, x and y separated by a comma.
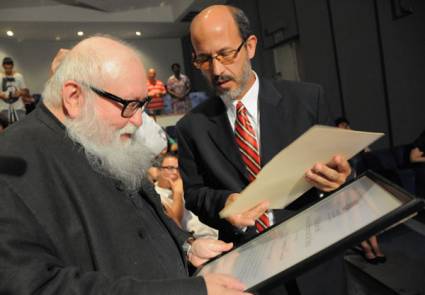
x,y
251,45
73,99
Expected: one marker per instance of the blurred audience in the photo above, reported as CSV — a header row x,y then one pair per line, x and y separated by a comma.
x,y
370,249
178,87
13,92
417,158
169,187
156,90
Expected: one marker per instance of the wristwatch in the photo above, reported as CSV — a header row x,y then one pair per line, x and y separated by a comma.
x,y
187,246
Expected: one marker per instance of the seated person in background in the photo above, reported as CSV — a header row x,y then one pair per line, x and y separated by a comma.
x,y
417,158
371,251
156,90
342,123
170,188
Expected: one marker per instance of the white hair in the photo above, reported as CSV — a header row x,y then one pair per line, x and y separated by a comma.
x,y
78,66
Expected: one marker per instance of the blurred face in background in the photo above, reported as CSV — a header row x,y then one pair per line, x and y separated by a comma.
x,y
8,68
151,75
169,170
176,70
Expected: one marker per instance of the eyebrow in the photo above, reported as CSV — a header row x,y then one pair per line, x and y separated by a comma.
x,y
220,50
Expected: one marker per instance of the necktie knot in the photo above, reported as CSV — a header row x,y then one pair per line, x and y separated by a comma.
x,y
240,108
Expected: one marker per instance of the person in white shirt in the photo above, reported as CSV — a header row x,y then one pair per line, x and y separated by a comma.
x,y
13,90
178,86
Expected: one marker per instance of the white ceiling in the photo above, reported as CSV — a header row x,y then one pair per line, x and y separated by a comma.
x,y
61,19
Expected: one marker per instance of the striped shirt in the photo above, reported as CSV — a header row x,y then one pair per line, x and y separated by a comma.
x,y
156,91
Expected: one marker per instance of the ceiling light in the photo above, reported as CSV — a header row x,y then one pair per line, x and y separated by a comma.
x,y
57,38
10,33
163,3
139,33
80,33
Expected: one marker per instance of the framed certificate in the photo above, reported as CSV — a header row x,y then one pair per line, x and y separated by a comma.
x,y
348,216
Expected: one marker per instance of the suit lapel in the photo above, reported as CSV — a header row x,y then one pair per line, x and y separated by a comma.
x,y
223,137
272,114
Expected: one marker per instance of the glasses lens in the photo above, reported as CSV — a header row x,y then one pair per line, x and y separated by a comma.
x,y
130,109
201,61
170,168
227,57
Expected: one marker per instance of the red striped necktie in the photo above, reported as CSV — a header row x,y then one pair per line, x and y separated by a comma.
x,y
248,147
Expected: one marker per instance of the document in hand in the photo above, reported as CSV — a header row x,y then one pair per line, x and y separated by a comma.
x,y
282,180
348,216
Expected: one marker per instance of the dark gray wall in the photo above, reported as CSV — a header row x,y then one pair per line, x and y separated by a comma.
x,y
370,63
404,53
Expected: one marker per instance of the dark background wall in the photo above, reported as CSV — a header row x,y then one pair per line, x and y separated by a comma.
x,y
369,55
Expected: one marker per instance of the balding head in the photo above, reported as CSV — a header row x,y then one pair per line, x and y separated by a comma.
x,y
218,17
152,74
223,47
96,61
112,56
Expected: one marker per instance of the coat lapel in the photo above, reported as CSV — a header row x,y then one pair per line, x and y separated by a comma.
x,y
272,114
222,135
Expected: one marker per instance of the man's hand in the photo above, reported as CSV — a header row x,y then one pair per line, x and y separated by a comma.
x,y
330,176
175,211
176,185
220,284
204,249
246,218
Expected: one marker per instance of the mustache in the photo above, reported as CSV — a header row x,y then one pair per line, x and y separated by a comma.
x,y
222,78
129,128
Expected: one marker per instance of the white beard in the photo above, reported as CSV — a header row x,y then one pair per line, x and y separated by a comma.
x,y
126,161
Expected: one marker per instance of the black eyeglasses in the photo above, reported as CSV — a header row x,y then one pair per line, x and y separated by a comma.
x,y
226,57
130,107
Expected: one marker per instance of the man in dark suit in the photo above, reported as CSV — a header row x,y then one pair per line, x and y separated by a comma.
x,y
214,161
75,215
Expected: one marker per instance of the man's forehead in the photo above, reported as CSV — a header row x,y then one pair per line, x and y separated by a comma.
x,y
213,32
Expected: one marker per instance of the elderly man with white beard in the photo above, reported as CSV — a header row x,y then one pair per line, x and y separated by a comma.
x,y
75,215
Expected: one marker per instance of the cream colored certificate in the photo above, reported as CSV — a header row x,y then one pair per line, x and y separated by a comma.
x,y
282,180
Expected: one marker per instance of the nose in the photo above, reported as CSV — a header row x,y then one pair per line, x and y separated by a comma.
x,y
217,67
136,119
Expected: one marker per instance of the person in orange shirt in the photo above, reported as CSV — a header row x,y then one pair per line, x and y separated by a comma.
x,y
156,90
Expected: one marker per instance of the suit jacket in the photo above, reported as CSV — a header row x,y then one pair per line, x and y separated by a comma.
x,y
210,162
67,229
